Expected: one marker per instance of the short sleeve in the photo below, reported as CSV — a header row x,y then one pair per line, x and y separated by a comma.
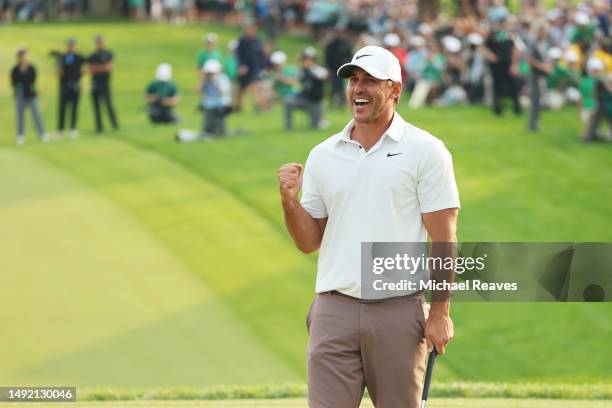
x,y
436,186
151,89
311,199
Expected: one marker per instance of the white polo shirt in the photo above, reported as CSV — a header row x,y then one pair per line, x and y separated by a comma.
x,y
373,196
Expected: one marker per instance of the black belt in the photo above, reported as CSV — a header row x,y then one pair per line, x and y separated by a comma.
x,y
412,295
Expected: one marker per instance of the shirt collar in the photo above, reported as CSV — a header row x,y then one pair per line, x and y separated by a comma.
x,y
394,131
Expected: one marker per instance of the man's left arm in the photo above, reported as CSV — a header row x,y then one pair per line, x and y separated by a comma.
x,y
442,229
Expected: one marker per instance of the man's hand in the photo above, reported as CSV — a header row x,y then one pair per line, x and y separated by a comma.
x,y
439,330
290,181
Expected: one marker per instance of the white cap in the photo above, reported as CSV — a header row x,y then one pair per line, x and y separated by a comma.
x,y
278,58
581,18
376,61
555,53
163,72
391,40
232,45
475,39
594,64
309,52
212,66
451,44
417,41
425,29
571,56
211,37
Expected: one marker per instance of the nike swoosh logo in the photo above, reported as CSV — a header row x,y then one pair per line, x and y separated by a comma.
x,y
364,55
393,154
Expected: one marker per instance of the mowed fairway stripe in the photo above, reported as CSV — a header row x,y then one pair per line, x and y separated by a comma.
x,y
91,298
226,244
300,403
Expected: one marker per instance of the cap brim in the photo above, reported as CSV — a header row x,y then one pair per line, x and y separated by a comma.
x,y
345,70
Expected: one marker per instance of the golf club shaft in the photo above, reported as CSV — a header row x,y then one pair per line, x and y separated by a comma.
x,y
430,365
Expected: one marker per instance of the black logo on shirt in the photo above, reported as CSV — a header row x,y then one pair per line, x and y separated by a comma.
x,y
393,154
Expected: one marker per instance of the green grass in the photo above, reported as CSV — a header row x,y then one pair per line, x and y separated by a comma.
x,y
133,261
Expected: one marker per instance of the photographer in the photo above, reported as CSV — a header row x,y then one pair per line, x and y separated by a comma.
x,y
162,95
216,91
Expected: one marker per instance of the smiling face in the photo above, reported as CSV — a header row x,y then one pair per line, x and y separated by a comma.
x,y
370,98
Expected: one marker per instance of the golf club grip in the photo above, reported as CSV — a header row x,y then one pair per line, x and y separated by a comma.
x,y
430,365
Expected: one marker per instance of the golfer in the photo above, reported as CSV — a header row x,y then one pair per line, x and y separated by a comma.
x,y
379,180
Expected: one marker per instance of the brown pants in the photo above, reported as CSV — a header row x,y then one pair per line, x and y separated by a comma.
x,y
354,345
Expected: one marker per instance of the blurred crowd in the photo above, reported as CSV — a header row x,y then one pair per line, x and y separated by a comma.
x,y
535,59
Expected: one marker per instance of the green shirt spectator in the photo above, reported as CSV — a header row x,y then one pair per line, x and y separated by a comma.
x,y
587,90
281,87
206,54
434,69
162,89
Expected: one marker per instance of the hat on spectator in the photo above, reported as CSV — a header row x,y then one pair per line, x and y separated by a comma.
x,y
594,64
232,45
475,39
71,41
278,58
425,29
451,44
212,66
555,53
163,72
211,38
376,61
309,52
571,56
391,40
581,18
417,41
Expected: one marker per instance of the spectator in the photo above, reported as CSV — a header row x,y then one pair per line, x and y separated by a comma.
x,y
216,94
284,77
23,79
392,42
599,110
252,61
416,61
475,68
454,93
338,51
502,56
211,51
162,95
310,98
69,67
539,69
100,68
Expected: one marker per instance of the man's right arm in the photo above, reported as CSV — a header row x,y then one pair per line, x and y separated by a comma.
x,y
306,231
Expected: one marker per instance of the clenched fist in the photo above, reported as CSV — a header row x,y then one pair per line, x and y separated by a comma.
x,y
290,181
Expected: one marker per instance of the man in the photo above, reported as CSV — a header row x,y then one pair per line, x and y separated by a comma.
x,y
379,179
251,62
23,79
100,68
69,68
540,68
337,52
211,51
162,95
502,55
310,98
216,91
